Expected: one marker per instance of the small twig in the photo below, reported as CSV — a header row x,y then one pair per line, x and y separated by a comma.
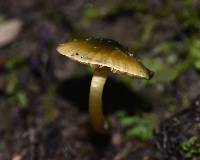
x,y
68,152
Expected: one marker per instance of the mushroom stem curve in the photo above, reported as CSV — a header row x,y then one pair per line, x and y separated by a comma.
x,y
95,100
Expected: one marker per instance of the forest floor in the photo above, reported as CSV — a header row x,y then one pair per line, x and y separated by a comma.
x,y
44,96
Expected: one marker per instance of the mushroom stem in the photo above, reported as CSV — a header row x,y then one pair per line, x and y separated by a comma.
x,y
95,100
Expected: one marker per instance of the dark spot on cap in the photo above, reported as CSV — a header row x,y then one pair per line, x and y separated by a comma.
x,y
151,74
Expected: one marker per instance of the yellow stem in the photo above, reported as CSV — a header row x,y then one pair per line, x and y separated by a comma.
x,y
95,100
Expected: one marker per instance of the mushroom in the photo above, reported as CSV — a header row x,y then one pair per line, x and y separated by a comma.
x,y
103,55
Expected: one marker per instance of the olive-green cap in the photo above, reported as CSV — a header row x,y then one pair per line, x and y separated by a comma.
x,y
103,52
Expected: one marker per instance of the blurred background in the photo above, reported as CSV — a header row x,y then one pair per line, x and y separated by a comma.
x,y
44,95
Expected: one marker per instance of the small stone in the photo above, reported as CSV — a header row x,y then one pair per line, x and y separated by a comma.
x,y
146,158
117,139
17,157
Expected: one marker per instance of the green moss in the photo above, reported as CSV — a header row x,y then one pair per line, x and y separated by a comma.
x,y
22,99
195,52
189,14
12,83
48,103
148,23
191,148
139,127
93,12
165,71
168,65
13,63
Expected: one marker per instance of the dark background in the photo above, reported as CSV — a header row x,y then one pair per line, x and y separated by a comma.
x,y
44,95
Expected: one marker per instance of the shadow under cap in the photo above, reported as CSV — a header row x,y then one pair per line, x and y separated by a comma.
x,y
117,96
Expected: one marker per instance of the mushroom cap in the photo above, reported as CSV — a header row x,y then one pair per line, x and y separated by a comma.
x,y
103,52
